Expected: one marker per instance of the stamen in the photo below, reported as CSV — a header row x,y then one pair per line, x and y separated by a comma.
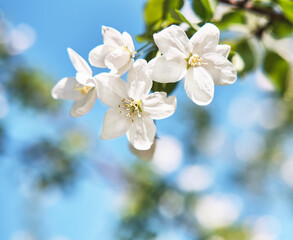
x,y
83,89
132,108
195,60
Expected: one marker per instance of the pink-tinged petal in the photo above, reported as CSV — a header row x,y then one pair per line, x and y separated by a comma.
x,y
220,68
139,82
111,89
66,89
117,59
84,105
205,40
124,69
223,49
85,79
128,42
199,85
158,105
78,62
164,71
112,37
172,42
115,125
141,133
98,55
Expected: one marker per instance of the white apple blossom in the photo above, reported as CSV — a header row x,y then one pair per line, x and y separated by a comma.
x,y
132,110
82,89
116,53
200,60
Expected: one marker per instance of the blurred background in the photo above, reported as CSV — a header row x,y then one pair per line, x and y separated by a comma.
x,y
219,172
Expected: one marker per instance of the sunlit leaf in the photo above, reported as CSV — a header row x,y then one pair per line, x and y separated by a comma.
x,y
287,7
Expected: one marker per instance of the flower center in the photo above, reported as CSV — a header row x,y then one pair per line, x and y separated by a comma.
x,y
83,90
195,60
131,108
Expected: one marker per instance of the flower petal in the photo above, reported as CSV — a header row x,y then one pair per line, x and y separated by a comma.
x,y
220,68
117,59
223,49
164,71
78,62
172,42
139,82
111,89
85,79
115,125
84,105
159,106
199,86
112,37
98,55
205,40
141,133
124,69
128,42
65,89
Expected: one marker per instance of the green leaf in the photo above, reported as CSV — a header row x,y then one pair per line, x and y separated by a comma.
x,y
203,8
156,10
178,16
170,5
231,18
153,11
287,7
277,69
281,29
245,50
165,87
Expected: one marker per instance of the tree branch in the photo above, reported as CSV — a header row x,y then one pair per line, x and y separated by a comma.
x,y
246,5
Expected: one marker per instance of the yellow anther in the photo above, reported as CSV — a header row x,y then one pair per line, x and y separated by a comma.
x,y
195,60
83,90
132,108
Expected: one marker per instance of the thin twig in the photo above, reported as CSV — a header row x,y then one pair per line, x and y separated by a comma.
x,y
246,5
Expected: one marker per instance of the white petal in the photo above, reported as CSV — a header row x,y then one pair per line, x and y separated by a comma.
x,y
117,59
141,133
78,62
111,90
115,125
98,55
220,68
199,86
205,40
123,69
84,105
85,79
158,105
112,37
223,49
172,42
128,42
65,89
164,71
139,82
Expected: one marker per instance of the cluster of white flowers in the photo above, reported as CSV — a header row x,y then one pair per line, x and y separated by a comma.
x,y
200,60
